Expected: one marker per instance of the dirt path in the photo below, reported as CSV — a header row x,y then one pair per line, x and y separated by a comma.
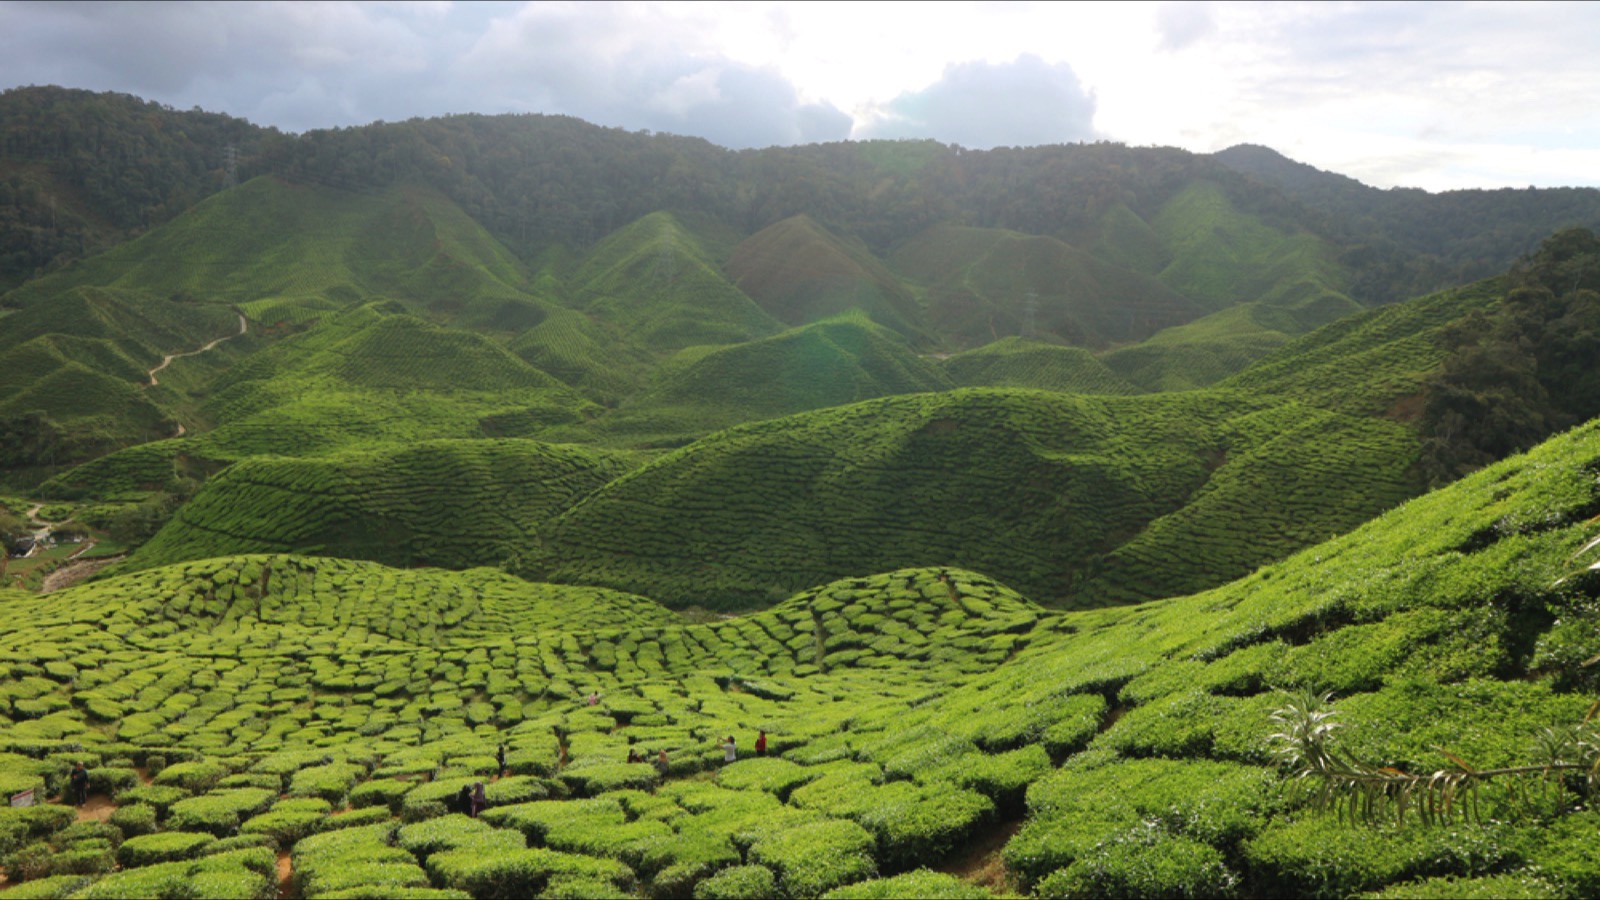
x,y
98,809
167,360
285,875
981,863
74,572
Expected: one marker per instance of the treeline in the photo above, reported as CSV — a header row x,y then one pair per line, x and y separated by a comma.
x,y
1523,371
81,171
1410,241
539,180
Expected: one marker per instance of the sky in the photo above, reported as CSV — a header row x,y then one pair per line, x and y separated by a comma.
x,y
1436,95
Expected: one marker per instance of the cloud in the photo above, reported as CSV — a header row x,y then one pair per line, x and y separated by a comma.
x,y
300,66
1182,24
982,105
636,66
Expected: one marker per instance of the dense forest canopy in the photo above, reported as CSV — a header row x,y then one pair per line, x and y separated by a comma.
x,y
81,170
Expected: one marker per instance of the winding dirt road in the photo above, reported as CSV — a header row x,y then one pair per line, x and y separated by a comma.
x,y
167,360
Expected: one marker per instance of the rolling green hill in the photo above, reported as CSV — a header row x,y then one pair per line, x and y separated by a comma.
x,y
1017,363
1042,490
800,272
840,360
910,715
276,248
455,504
987,283
375,375
656,283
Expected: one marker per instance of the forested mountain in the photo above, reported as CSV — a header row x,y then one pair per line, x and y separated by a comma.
x,y
1460,236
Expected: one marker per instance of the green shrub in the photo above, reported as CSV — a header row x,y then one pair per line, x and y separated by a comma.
x,y
813,859
356,818
582,887
1002,777
52,887
168,846
135,819
241,842
331,782
1322,856
289,820
263,780
1144,862
1512,886
218,812
159,797
195,777
389,792
738,883
456,832
590,781
771,774
520,873
112,782
920,883
1097,797
19,825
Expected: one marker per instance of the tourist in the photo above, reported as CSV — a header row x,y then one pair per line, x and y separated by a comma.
x,y
761,743
79,781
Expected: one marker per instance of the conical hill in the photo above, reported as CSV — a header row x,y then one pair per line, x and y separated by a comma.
x,y
800,272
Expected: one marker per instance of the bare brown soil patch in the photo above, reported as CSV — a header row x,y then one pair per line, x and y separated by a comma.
x,y
981,862
98,809
72,573
285,876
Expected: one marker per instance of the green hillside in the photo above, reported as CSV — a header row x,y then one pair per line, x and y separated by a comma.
x,y
1372,363
455,504
330,709
1017,363
840,360
985,283
308,246
800,272
73,376
656,283
374,375
1220,256
1038,489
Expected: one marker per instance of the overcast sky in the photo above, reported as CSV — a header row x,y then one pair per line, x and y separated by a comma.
x,y
1437,95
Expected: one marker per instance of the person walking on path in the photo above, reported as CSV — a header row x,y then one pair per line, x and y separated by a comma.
x,y
500,758
729,751
464,800
761,743
79,781
480,800
661,763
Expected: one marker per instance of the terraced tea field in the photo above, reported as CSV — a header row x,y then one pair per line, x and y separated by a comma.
x,y
1075,500
244,713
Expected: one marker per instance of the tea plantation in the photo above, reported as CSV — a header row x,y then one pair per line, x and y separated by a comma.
x,y
1075,500
930,731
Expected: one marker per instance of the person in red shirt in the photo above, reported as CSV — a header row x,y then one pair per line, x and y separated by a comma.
x,y
761,744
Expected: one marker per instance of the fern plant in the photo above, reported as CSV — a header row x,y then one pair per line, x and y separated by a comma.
x,y
1361,792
